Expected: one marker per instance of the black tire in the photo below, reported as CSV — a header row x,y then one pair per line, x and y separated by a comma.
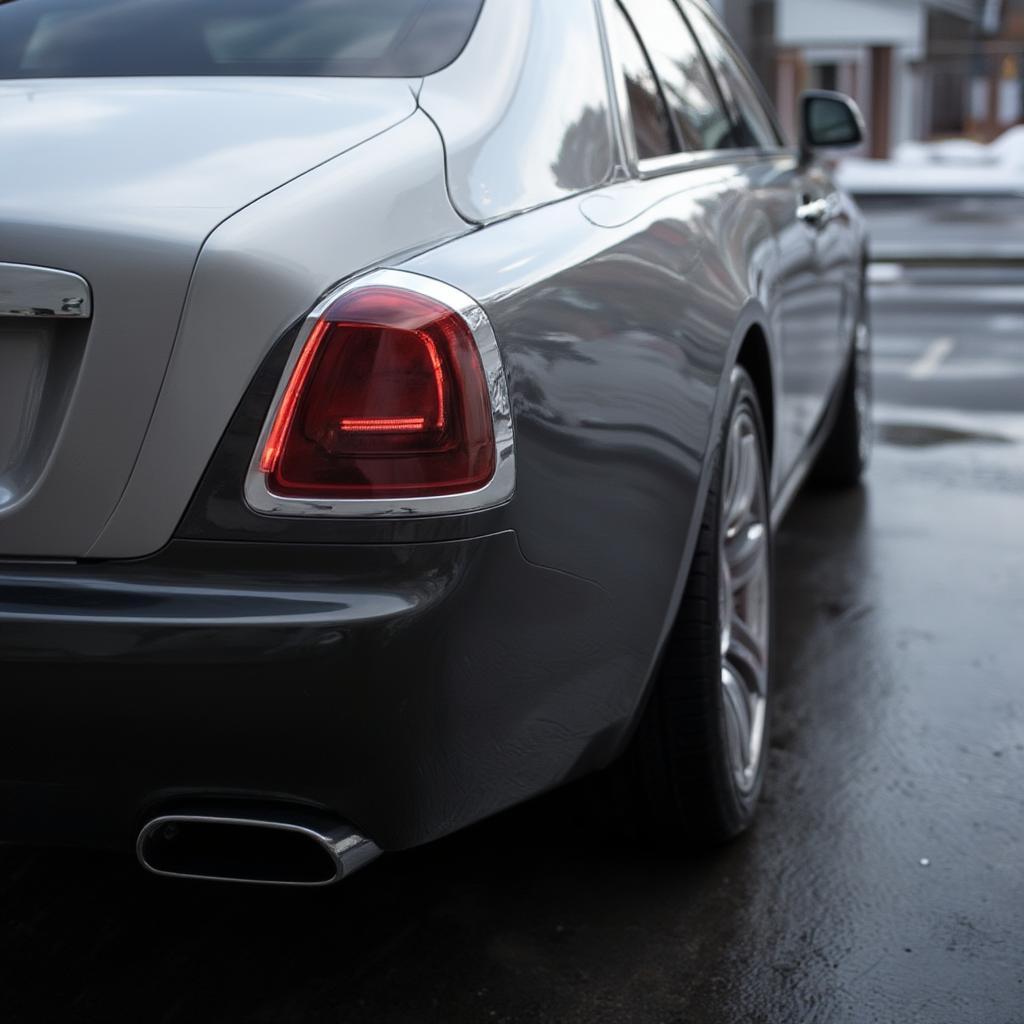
x,y
676,785
846,453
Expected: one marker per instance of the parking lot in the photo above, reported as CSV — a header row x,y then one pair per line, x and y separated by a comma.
x,y
883,882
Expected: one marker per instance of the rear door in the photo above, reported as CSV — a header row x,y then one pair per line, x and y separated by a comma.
x,y
804,209
747,219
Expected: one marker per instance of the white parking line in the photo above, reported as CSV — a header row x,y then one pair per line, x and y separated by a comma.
x,y
885,273
935,355
1007,324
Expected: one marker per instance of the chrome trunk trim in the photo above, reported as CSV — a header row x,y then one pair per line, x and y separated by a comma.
x,y
42,292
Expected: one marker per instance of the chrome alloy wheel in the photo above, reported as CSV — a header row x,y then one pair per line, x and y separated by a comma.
x,y
744,596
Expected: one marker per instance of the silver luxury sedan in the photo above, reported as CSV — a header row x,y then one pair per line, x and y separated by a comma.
x,y
397,398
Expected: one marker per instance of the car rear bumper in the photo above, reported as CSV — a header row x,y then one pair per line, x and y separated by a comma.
x,y
410,690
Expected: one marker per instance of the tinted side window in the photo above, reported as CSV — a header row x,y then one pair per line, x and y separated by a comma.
x,y
754,127
690,90
348,38
651,124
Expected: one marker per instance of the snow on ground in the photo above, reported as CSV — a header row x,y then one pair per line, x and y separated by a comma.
x,y
863,177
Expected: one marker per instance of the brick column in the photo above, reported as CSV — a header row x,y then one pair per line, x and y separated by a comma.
x,y
790,81
880,122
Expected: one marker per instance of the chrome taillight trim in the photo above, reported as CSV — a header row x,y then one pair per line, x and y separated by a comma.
x,y
42,292
501,487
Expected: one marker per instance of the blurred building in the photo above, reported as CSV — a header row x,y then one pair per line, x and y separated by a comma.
x,y
994,67
918,68
752,24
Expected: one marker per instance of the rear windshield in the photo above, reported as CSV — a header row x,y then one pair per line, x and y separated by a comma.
x,y
346,38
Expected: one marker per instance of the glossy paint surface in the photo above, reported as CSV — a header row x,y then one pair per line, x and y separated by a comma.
x,y
616,342
524,112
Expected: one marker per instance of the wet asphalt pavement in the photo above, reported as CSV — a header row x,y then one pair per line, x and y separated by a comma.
x,y
883,882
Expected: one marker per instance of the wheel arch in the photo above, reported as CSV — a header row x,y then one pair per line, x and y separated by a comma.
x,y
755,357
752,349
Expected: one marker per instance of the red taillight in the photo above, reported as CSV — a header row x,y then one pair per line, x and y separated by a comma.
x,y
388,399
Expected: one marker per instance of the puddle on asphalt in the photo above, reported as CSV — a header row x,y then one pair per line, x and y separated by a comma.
x,y
918,435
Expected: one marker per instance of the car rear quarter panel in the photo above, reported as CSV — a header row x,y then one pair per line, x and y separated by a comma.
x,y
619,316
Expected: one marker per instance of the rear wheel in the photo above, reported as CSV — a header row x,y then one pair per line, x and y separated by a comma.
x,y
695,768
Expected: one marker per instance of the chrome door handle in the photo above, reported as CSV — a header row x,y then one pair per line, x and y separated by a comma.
x,y
813,213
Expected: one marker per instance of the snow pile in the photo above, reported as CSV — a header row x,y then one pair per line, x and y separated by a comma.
x,y
951,167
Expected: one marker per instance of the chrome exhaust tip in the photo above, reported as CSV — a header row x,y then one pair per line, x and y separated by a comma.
x,y
280,850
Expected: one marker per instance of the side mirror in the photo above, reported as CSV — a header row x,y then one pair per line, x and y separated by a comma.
x,y
829,120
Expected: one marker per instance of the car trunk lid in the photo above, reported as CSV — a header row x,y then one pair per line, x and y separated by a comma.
x,y
118,182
